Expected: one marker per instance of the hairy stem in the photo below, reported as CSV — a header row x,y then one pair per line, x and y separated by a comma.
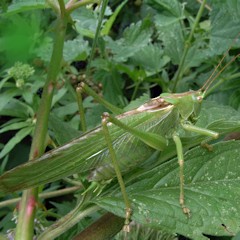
x,y
25,226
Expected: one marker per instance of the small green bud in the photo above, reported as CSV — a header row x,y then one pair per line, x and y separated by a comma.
x,y
20,71
20,83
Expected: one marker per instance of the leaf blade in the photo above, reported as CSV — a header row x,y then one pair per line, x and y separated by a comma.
x,y
213,202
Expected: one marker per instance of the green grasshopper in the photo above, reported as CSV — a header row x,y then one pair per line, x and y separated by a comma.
x,y
99,153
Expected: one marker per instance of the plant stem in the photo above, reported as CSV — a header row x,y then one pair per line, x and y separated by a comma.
x,y
67,222
25,226
180,70
71,6
97,33
52,194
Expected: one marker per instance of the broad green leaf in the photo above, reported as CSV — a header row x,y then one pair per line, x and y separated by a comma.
x,y
93,116
19,136
138,34
45,49
171,35
168,22
211,112
218,118
135,37
63,133
75,50
26,5
150,58
225,26
234,100
140,232
85,22
20,35
67,109
112,85
237,237
212,192
168,8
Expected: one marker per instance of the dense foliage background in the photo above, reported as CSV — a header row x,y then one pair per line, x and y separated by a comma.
x,y
141,50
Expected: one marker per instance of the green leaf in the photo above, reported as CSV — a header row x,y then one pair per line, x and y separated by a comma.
x,y
20,135
16,108
63,208
234,100
75,50
168,22
14,126
222,119
171,35
45,49
63,133
135,37
20,35
59,94
168,8
25,5
85,22
151,59
108,24
140,232
112,85
237,237
7,95
4,164
67,109
3,81
225,20
212,192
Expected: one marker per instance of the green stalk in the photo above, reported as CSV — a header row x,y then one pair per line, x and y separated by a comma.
x,y
45,195
97,34
66,222
28,204
71,5
179,73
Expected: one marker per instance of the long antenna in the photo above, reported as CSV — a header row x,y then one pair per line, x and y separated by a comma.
x,y
213,77
210,81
